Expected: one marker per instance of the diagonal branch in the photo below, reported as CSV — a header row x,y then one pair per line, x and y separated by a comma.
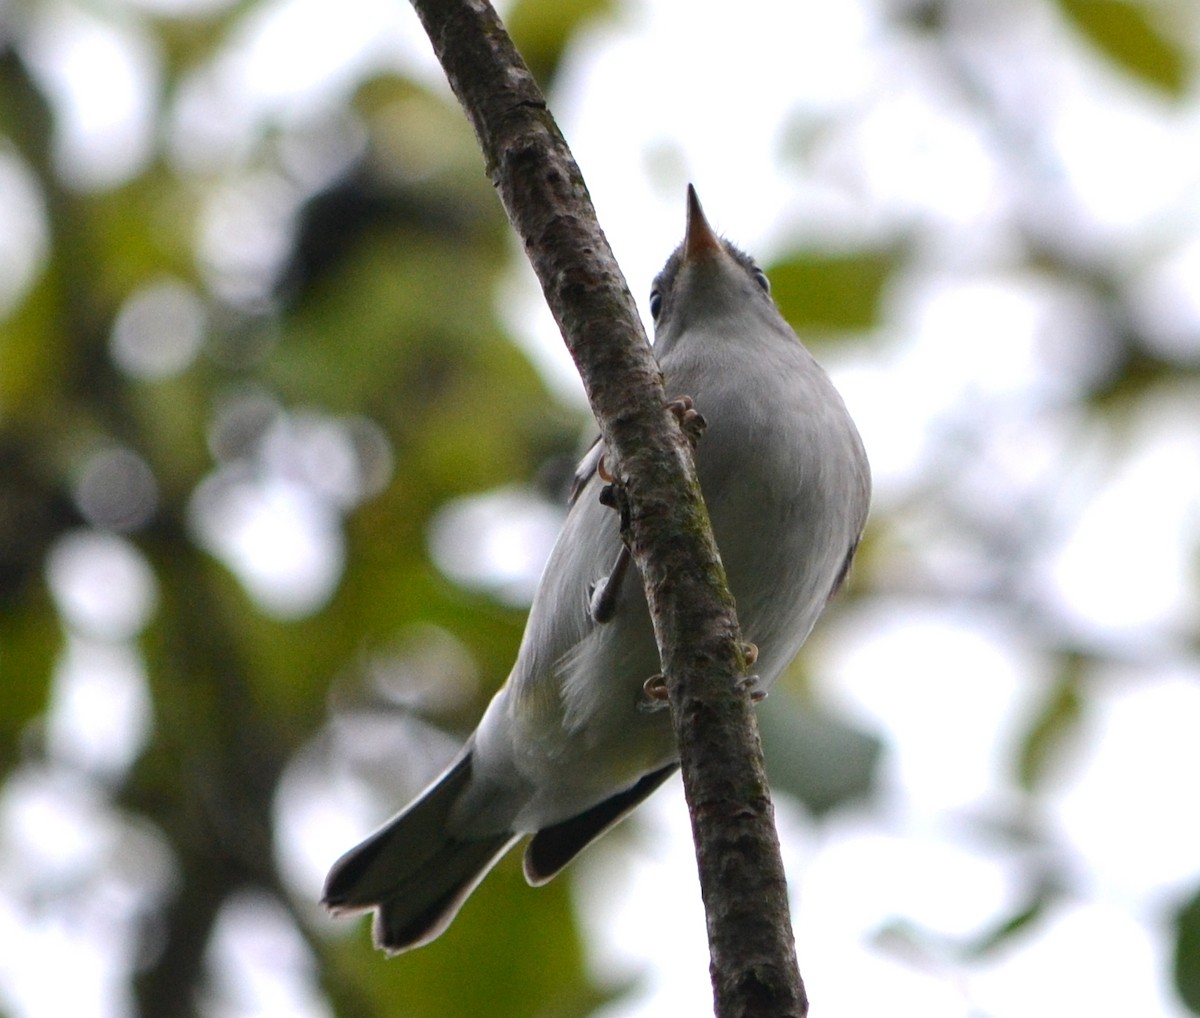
x,y
753,961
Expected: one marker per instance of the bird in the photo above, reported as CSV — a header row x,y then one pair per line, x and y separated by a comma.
x,y
576,738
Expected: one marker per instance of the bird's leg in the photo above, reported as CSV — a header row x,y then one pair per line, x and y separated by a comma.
x,y
602,597
602,602
653,696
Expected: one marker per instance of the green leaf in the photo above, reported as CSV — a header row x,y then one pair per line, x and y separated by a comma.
x,y
1187,953
1129,35
30,638
1044,894
909,939
832,292
1054,725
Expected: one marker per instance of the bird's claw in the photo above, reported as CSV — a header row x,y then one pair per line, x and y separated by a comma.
x,y
608,493
752,685
690,419
653,696
749,654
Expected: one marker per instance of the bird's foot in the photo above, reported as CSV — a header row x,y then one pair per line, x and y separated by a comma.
x,y
751,684
608,493
653,696
749,654
690,419
612,495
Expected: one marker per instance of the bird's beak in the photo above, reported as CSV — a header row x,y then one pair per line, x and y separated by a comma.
x,y
699,241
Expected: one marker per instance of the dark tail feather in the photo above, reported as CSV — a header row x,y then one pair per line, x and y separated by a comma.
x,y
555,846
412,871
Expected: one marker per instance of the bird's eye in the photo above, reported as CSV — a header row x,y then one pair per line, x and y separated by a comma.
x,y
760,277
655,304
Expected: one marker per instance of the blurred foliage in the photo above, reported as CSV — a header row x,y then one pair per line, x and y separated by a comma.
x,y
1134,35
835,293
1055,723
376,322
527,964
543,29
341,271
904,938
814,755
1187,953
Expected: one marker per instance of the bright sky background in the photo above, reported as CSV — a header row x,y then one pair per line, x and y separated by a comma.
x,y
720,96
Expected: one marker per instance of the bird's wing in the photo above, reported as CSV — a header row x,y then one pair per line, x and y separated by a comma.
x,y
565,648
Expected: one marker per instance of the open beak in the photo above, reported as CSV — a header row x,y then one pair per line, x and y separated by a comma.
x,y
699,240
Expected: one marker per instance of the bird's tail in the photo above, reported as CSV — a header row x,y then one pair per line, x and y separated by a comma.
x,y
414,873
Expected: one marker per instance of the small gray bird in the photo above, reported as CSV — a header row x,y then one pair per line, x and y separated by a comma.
x,y
573,742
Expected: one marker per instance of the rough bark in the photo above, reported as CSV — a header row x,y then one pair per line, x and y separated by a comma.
x,y
753,960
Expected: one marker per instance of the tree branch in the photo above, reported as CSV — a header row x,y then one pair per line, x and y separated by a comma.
x,y
753,960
